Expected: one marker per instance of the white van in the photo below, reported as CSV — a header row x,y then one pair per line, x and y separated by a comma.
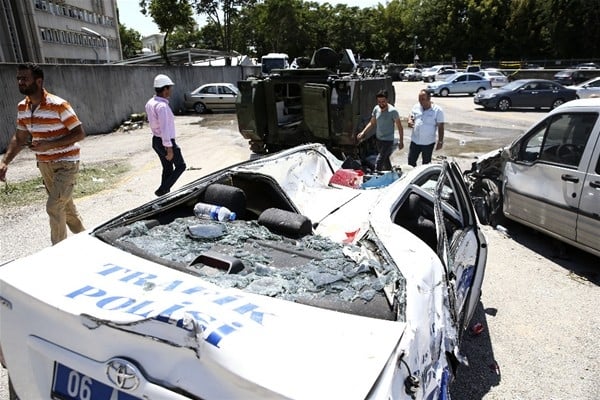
x,y
273,61
549,178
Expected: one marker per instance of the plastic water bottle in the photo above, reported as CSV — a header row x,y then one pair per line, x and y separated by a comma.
x,y
214,212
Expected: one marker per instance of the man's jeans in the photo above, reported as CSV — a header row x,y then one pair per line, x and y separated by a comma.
x,y
59,179
416,149
171,170
385,148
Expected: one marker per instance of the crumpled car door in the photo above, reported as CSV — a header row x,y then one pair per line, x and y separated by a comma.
x,y
464,253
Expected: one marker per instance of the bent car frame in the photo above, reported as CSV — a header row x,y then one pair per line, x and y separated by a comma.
x,y
322,288
548,178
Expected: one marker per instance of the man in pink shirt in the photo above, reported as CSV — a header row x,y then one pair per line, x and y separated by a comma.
x,y
162,123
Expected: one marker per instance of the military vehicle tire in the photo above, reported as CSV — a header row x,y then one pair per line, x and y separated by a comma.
x,y
258,147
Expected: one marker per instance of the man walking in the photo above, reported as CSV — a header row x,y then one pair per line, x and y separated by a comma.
x,y
162,124
425,118
384,116
50,128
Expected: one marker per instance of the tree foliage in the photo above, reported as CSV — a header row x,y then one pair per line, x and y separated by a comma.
x,y
220,14
168,15
131,41
435,30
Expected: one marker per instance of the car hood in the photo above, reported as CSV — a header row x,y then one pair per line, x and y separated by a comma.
x,y
251,337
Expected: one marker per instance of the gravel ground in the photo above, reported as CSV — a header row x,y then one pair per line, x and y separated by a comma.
x,y
539,312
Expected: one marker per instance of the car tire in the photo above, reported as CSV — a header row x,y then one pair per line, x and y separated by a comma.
x,y
200,108
503,104
488,202
444,92
481,89
556,103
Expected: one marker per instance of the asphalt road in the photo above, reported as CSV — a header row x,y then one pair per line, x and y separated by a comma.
x,y
538,312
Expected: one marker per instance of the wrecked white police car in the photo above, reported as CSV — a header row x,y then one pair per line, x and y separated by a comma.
x,y
316,290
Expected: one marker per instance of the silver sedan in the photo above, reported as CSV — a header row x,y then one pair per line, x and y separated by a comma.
x,y
212,96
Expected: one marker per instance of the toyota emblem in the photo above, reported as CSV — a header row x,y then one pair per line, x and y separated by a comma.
x,y
123,374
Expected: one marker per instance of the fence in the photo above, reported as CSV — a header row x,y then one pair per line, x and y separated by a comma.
x,y
103,96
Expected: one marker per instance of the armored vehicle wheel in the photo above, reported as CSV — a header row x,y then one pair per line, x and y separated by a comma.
x,y
258,147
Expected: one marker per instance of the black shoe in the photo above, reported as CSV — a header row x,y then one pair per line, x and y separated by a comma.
x,y
159,192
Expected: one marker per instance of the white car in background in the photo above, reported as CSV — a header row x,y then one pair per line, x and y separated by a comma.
x,y
411,74
429,74
497,78
589,88
330,284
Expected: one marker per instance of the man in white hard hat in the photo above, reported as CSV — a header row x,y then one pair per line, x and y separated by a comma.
x,y
162,123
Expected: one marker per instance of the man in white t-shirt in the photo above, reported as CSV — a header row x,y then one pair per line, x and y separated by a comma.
x,y
426,119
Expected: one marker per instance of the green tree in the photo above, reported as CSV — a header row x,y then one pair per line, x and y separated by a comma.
x,y
184,38
131,41
220,14
168,15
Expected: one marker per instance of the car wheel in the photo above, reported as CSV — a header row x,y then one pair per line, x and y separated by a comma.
x,y
200,108
481,89
487,202
503,104
556,103
444,92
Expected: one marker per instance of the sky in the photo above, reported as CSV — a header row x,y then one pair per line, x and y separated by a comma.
x,y
131,17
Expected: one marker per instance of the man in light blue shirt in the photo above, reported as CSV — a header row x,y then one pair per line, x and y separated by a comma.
x,y
384,116
425,118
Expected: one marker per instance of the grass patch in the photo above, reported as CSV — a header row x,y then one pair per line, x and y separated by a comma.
x,y
91,179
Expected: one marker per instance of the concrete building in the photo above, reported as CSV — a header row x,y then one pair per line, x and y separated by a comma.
x,y
59,31
153,43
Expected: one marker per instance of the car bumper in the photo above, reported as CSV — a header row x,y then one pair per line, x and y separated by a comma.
x,y
486,102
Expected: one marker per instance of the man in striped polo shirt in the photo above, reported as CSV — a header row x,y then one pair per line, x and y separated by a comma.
x,y
50,128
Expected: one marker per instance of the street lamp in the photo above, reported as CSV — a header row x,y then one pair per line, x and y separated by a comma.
x,y
91,32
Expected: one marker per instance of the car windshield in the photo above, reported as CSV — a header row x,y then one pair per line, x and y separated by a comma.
x,y
450,77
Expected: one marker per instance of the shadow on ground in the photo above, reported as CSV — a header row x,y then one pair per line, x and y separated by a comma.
x,y
475,380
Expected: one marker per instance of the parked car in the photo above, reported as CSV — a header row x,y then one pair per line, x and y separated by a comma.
x,y
212,96
575,76
411,74
590,88
525,93
443,75
497,78
549,178
459,83
587,66
321,288
430,73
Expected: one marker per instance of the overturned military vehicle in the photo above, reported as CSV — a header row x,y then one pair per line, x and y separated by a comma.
x,y
327,102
